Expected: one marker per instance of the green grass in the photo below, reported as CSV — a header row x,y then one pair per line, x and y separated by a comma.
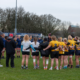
x,y
22,74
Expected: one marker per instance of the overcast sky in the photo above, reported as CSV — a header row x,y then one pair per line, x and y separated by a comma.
x,y
65,10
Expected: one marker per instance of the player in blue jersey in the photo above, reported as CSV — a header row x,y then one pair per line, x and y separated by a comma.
x,y
18,46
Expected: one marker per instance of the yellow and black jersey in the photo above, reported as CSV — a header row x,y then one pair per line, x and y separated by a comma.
x,y
72,43
73,39
78,46
62,44
53,44
66,50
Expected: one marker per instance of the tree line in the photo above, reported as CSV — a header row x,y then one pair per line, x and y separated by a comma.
x,y
31,23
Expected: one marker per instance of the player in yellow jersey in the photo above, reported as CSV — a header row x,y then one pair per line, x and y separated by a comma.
x,y
71,50
54,52
66,53
77,53
61,51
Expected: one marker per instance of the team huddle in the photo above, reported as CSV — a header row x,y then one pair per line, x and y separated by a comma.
x,y
57,49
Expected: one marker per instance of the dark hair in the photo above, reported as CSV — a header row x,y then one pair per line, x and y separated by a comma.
x,y
49,34
6,37
45,39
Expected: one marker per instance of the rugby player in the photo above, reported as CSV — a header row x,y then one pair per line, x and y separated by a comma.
x,y
54,52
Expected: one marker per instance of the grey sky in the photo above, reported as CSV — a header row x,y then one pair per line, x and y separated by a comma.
x,y
65,10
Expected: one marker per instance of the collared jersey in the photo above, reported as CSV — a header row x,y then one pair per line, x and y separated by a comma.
x,y
62,44
72,43
53,44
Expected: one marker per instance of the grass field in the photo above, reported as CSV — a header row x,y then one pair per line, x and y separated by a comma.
x,y
39,74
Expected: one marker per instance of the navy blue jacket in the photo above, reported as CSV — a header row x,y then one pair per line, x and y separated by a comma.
x,y
18,42
49,39
10,46
40,41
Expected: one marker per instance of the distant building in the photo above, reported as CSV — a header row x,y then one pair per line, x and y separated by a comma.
x,y
72,30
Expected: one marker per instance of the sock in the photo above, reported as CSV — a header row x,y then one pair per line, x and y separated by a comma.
x,y
71,66
47,61
22,66
51,67
26,66
34,66
77,65
68,65
44,66
56,67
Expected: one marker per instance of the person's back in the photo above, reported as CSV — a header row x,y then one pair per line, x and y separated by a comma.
x,y
54,43
25,53
26,44
54,52
49,37
72,43
35,45
10,46
19,42
44,44
62,44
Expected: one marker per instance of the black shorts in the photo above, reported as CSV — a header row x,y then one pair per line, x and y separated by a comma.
x,y
61,54
44,53
71,52
66,53
35,53
18,46
55,54
77,52
47,55
25,53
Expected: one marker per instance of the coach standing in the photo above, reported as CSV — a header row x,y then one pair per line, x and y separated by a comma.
x,y
1,47
49,37
10,50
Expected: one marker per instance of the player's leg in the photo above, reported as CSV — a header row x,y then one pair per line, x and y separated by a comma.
x,y
23,59
27,58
